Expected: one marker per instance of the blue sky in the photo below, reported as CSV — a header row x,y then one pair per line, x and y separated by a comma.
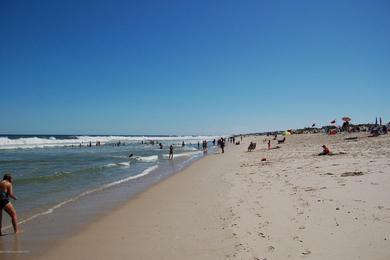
x,y
191,67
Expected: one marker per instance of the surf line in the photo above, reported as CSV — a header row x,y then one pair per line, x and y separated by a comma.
x,y
106,186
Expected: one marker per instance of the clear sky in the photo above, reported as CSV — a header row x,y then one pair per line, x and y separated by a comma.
x,y
191,67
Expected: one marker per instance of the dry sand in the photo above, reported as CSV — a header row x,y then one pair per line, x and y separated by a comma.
x,y
296,205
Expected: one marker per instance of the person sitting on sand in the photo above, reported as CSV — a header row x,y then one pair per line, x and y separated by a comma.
x,y
250,147
170,157
325,151
384,130
6,193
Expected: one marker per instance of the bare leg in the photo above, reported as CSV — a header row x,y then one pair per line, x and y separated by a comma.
x,y
1,222
12,212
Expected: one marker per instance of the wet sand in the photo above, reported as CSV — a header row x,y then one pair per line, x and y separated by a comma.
x,y
295,205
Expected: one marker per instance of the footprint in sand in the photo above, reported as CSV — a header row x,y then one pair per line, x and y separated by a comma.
x,y
296,238
306,252
355,173
305,204
271,248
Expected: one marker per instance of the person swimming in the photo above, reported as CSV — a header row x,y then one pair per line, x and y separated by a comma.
x,y
6,192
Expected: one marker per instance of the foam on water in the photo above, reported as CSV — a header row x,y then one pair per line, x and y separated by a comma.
x,y
39,142
188,154
151,158
125,164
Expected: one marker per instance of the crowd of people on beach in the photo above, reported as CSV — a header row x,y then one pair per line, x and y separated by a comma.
x,y
6,188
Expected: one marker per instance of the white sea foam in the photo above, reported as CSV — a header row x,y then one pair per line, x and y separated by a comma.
x,y
125,164
105,186
110,165
37,142
183,154
151,158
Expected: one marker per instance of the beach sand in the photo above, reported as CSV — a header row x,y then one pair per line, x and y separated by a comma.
x,y
295,205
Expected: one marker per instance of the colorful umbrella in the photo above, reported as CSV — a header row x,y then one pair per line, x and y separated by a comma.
x,y
346,119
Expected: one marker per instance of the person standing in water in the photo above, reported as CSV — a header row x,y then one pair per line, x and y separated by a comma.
x,y
6,192
170,152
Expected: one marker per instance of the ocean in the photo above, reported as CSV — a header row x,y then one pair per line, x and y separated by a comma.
x,y
58,173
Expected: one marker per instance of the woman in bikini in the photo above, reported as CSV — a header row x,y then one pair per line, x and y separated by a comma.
x,y
6,193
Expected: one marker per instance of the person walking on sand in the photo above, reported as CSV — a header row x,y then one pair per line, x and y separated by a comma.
x,y
222,145
269,144
6,192
170,157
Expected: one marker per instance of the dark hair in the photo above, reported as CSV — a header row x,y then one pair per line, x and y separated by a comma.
x,y
7,177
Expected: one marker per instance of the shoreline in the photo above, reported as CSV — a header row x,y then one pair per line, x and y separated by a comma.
x,y
66,218
294,205
130,223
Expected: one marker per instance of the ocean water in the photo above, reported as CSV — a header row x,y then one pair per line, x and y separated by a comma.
x,y
54,172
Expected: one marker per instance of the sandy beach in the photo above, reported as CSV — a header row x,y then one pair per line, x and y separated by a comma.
x,y
294,205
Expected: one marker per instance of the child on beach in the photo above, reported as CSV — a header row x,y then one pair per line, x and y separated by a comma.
x,y
6,193
325,151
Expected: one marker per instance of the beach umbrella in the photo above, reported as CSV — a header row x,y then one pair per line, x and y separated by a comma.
x,y
313,125
333,122
380,120
346,119
376,120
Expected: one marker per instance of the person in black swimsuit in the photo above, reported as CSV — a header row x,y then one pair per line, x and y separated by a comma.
x,y
6,193
170,157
